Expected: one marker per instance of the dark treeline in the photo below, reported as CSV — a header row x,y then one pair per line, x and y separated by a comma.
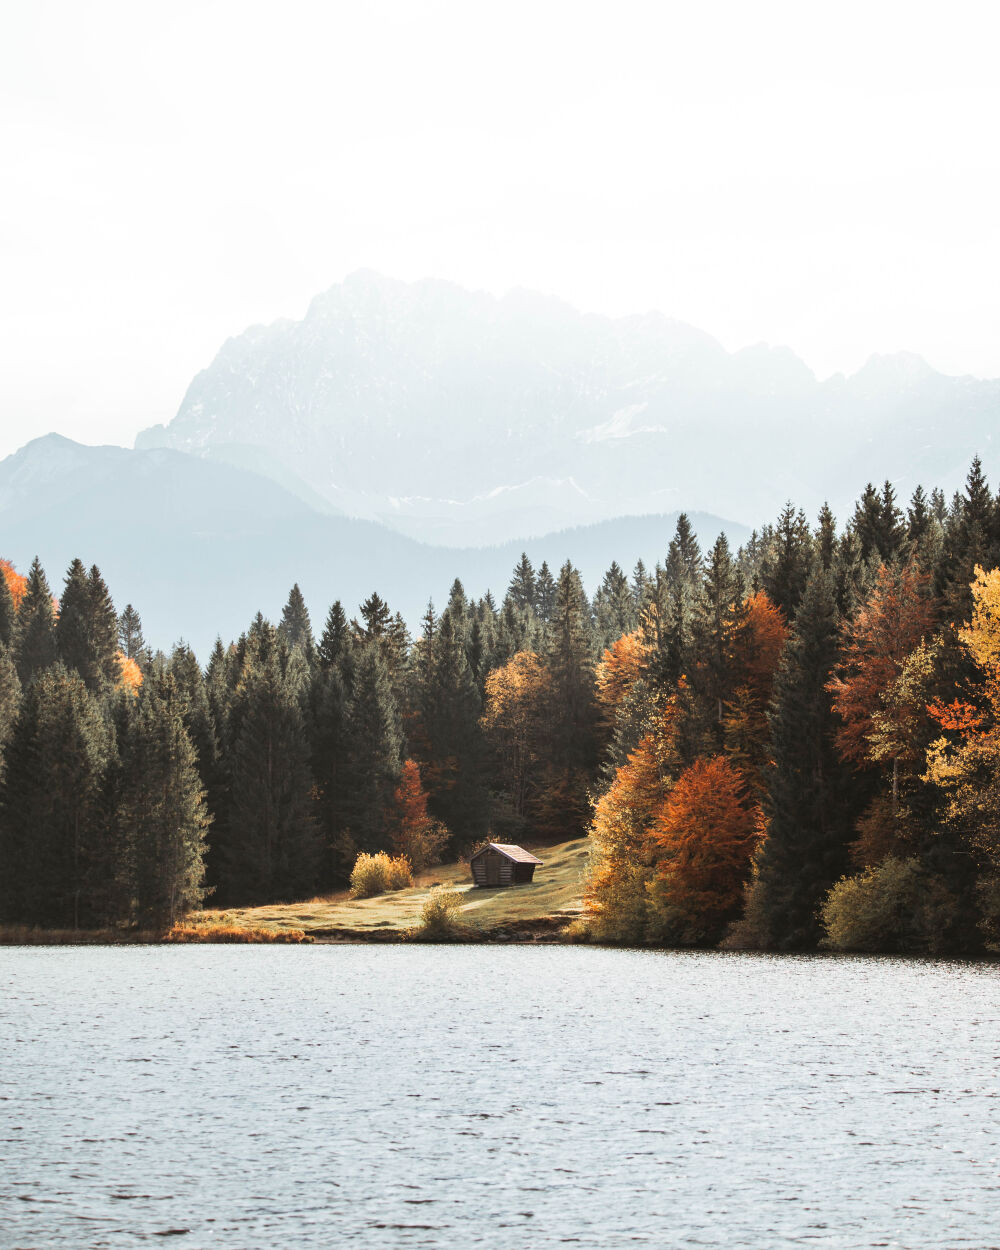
x,y
772,748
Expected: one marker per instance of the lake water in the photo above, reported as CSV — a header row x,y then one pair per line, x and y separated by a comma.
x,y
377,1096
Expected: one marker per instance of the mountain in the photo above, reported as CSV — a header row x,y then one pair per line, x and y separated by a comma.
x,y
199,545
456,417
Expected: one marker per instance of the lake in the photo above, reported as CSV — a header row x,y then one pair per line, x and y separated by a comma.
x,y
522,1097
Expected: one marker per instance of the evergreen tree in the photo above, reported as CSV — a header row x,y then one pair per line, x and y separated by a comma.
x,y
545,594
162,815
614,607
35,643
971,537
87,629
130,639
786,564
55,848
73,627
522,589
8,613
335,643
272,846
450,709
10,698
805,850
296,627
573,732
103,631
375,737
709,675
826,537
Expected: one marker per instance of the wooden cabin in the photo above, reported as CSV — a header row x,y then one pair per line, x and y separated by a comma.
x,y
499,863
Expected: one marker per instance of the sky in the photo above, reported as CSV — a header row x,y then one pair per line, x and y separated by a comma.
x,y
825,177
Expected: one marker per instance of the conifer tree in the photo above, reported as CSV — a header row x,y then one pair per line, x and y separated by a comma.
x,y
54,839
10,698
8,613
786,564
971,537
573,740
450,708
335,642
73,627
545,594
375,738
162,815
522,589
35,643
296,627
826,537
103,631
272,845
130,638
805,850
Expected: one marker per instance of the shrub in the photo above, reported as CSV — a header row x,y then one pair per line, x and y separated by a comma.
x,y
439,916
374,874
894,907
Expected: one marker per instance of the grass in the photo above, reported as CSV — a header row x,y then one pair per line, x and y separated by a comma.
x,y
549,904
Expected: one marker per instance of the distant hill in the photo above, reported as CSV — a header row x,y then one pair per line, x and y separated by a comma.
x,y
460,419
199,545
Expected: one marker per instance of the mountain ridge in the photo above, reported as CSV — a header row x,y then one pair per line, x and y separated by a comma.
x,y
427,407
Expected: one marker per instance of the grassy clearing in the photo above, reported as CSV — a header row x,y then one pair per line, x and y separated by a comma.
x,y
550,904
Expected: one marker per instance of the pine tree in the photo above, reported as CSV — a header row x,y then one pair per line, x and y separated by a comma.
x,y
826,537
54,839
786,564
10,698
296,627
375,738
334,644
545,594
272,845
103,631
971,537
522,589
87,629
162,815
573,741
805,850
8,613
73,627
35,643
450,709
130,639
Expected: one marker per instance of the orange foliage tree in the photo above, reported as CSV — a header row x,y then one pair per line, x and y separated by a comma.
x,y
514,719
619,669
129,673
412,830
616,895
874,645
16,582
705,836
756,646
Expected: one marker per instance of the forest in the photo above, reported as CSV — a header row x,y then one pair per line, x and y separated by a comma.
x,y
790,747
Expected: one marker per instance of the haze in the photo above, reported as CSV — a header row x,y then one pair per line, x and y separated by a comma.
x,y
173,174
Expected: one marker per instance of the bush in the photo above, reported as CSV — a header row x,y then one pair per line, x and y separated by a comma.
x,y
375,874
893,908
439,916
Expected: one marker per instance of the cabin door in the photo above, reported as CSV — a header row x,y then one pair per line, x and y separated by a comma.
x,y
492,868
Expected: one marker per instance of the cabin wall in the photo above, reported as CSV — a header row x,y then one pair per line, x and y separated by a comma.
x,y
490,868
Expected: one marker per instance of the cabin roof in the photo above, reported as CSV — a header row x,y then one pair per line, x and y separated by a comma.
x,y
517,853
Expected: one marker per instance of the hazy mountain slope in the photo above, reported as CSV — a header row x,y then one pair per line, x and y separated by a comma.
x,y
458,417
200,546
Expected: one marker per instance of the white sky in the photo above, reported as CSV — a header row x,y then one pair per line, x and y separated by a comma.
x,y
825,176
